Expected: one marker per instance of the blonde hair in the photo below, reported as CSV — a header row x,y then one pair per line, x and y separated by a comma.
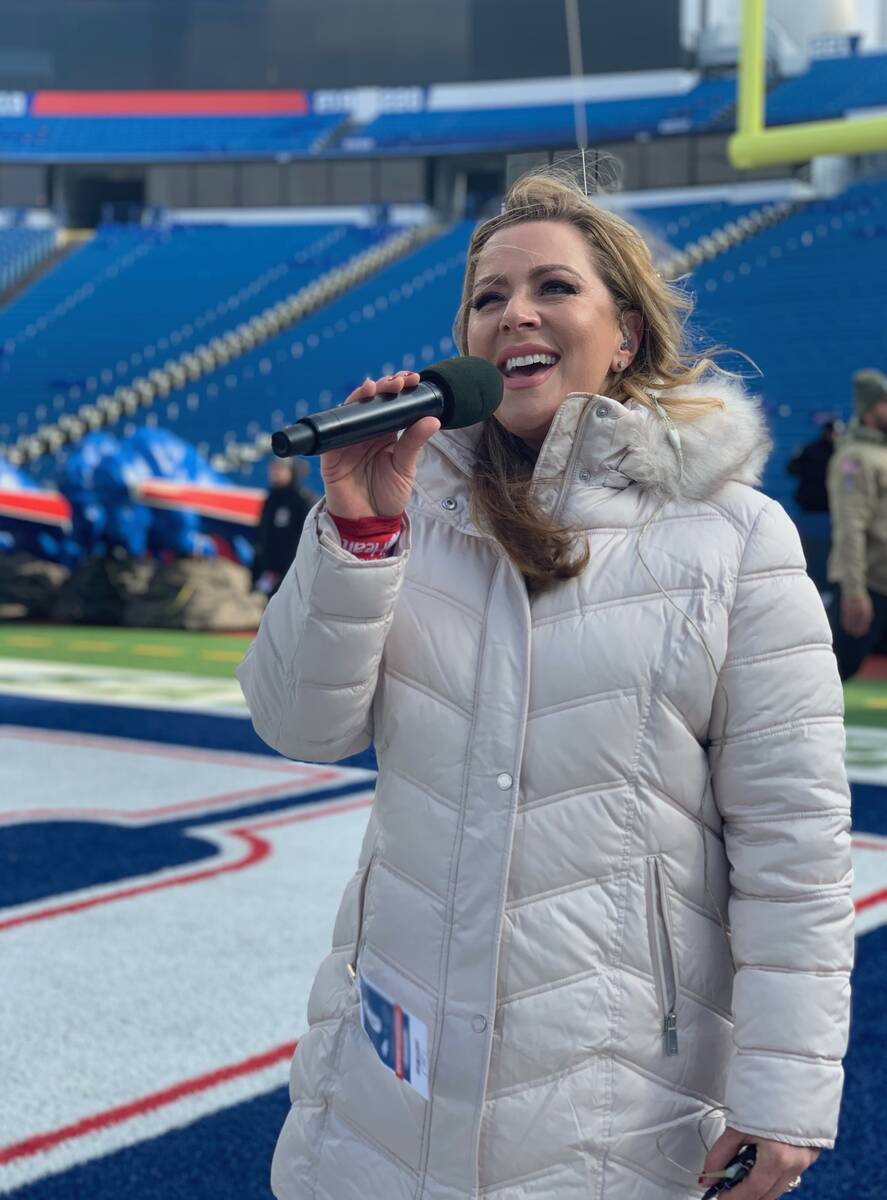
x,y
664,362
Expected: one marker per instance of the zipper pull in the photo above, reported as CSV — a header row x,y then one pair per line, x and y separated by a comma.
x,y
670,1030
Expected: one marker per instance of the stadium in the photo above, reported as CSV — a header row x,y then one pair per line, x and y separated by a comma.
x,y
221,216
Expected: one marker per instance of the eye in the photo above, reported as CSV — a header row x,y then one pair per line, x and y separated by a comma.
x,y
484,299
557,287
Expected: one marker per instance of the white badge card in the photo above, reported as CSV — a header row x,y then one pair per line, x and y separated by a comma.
x,y
399,1038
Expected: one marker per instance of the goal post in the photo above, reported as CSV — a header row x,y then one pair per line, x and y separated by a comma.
x,y
754,145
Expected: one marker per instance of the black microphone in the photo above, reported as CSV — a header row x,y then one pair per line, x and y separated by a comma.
x,y
460,391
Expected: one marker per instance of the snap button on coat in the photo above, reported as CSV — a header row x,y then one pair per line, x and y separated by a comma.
x,y
504,781
478,1023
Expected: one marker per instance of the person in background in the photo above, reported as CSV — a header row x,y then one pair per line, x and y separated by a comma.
x,y
857,488
809,465
280,525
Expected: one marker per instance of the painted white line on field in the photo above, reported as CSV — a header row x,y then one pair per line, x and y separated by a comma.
x,y
121,685
50,775
135,997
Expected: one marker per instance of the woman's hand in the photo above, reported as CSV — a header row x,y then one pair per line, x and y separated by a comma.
x,y
375,478
777,1165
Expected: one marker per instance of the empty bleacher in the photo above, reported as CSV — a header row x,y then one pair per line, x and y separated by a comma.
x,y
805,301
797,286
131,298
399,318
543,125
829,88
21,249
130,138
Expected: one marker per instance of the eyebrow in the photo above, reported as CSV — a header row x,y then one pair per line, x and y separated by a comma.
x,y
543,270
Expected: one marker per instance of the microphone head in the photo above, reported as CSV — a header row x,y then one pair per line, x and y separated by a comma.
x,y
471,387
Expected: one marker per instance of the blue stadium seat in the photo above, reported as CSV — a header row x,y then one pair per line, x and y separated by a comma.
x,y
401,317
21,249
804,300
830,88
76,138
132,298
545,125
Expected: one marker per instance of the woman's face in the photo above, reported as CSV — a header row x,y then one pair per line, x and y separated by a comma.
x,y
537,293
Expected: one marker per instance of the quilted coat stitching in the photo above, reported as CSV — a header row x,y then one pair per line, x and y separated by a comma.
x,y
625,735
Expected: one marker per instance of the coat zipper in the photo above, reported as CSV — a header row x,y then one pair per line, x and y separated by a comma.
x,y
361,904
661,935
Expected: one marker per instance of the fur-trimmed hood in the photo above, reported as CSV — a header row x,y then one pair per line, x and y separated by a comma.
x,y
732,443
635,442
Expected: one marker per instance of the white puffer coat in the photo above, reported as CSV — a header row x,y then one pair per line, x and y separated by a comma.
x,y
546,858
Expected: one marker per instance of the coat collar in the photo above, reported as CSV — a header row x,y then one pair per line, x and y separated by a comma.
x,y
606,442
857,432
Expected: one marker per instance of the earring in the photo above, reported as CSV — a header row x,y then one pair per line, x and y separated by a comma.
x,y
626,343
620,365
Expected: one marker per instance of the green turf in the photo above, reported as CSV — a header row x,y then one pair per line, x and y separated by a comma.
x,y
216,656
148,649
866,702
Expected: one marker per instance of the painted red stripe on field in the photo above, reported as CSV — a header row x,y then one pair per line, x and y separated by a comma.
x,y
145,1104
258,850
871,900
225,800
868,844
169,104
262,762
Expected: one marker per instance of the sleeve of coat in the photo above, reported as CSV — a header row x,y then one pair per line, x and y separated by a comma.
x,y
852,492
777,756
310,675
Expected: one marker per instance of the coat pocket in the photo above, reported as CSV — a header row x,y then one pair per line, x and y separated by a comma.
x,y
662,949
361,908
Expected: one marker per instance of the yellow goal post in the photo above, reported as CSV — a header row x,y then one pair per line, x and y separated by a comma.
x,y
754,145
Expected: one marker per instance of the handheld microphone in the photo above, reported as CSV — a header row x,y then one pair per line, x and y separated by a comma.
x,y
460,391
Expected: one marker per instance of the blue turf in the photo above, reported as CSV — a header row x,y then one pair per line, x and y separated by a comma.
x,y
209,731
227,1156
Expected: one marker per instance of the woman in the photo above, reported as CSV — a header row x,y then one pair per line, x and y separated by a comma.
x,y
608,721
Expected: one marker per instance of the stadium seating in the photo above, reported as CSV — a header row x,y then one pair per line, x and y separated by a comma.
x,y
804,300
21,250
123,303
793,285
679,225
543,125
829,88
77,138
400,317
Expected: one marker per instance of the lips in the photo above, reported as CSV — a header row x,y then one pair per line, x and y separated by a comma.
x,y
523,350
518,381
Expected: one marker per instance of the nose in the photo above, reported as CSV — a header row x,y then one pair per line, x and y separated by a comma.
x,y
519,313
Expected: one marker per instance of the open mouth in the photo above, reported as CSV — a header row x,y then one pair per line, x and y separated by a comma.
x,y
527,370
525,366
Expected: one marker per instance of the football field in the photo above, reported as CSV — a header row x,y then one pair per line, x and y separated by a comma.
x,y
168,890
